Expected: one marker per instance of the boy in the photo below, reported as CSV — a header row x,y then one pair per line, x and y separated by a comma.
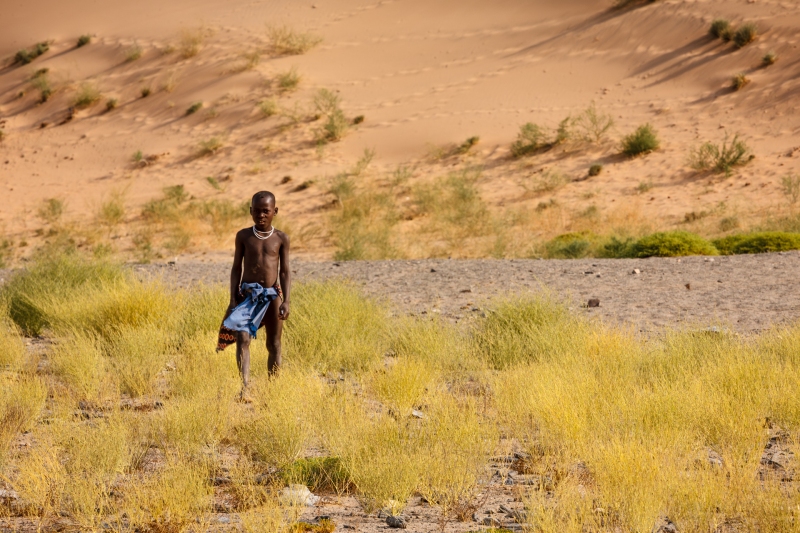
x,y
260,258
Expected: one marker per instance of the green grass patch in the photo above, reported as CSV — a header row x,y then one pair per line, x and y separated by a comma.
x,y
671,244
758,243
643,141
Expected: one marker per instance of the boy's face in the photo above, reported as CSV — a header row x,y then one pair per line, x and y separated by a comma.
x,y
263,211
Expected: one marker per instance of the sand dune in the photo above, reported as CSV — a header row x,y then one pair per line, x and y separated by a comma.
x,y
422,73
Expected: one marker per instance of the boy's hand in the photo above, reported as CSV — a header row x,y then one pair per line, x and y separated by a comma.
x,y
283,311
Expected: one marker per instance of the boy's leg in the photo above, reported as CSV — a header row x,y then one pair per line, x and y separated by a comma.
x,y
243,356
274,326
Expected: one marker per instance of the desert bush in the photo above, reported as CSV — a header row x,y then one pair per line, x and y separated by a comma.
x,y
137,355
170,499
327,105
769,59
83,40
167,207
729,223
739,81
531,138
33,306
86,96
345,331
289,80
279,432
111,103
434,343
547,181
112,211
26,55
720,158
720,28
268,107
453,203
191,42
745,34
671,244
133,52
203,310
145,91
595,170
361,226
194,108
525,329
221,215
402,385
210,146
467,145
644,140
12,350
191,423
318,474
41,82
758,243
21,401
457,444
790,187
78,360
286,41
52,210
592,125
568,246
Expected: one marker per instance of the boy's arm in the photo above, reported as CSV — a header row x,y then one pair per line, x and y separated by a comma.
x,y
236,271
286,278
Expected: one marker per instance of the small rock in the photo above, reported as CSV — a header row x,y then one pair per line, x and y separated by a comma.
x,y
433,270
636,271
715,459
298,495
224,520
665,525
397,522
594,302
417,414
688,286
491,522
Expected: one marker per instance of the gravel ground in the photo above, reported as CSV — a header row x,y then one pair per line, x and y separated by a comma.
x,y
747,293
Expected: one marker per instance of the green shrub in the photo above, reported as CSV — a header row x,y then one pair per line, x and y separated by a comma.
x,y
745,34
769,59
83,40
595,169
87,95
758,243
720,158
31,303
25,55
739,81
616,248
527,330
568,246
720,28
531,137
642,141
194,108
671,244
318,474
111,103
592,125
289,80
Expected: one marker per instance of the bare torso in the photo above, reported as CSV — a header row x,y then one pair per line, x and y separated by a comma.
x,y
261,258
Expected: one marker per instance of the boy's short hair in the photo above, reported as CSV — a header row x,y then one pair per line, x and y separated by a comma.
x,y
262,194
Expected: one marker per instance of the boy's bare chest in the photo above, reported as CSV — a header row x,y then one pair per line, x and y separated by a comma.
x,y
258,248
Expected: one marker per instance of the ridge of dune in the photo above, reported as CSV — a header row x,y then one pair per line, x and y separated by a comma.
x,y
422,74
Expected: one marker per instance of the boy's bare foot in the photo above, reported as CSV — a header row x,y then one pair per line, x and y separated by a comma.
x,y
244,396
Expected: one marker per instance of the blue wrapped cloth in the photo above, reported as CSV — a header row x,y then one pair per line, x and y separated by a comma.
x,y
247,316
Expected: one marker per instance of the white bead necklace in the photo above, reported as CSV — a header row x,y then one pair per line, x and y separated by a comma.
x,y
265,234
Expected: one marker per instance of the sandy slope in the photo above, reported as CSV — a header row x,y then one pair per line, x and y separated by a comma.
x,y
423,73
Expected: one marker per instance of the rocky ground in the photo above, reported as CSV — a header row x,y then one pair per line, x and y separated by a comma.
x,y
746,293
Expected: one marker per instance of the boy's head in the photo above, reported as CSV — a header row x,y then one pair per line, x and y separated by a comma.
x,y
263,209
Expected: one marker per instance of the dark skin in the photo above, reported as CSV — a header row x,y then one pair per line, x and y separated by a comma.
x,y
263,262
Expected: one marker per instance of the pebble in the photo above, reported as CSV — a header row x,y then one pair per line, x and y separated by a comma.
x,y
594,302
636,271
397,522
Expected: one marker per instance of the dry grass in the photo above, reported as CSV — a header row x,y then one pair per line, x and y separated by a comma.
x,y
287,41
617,427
